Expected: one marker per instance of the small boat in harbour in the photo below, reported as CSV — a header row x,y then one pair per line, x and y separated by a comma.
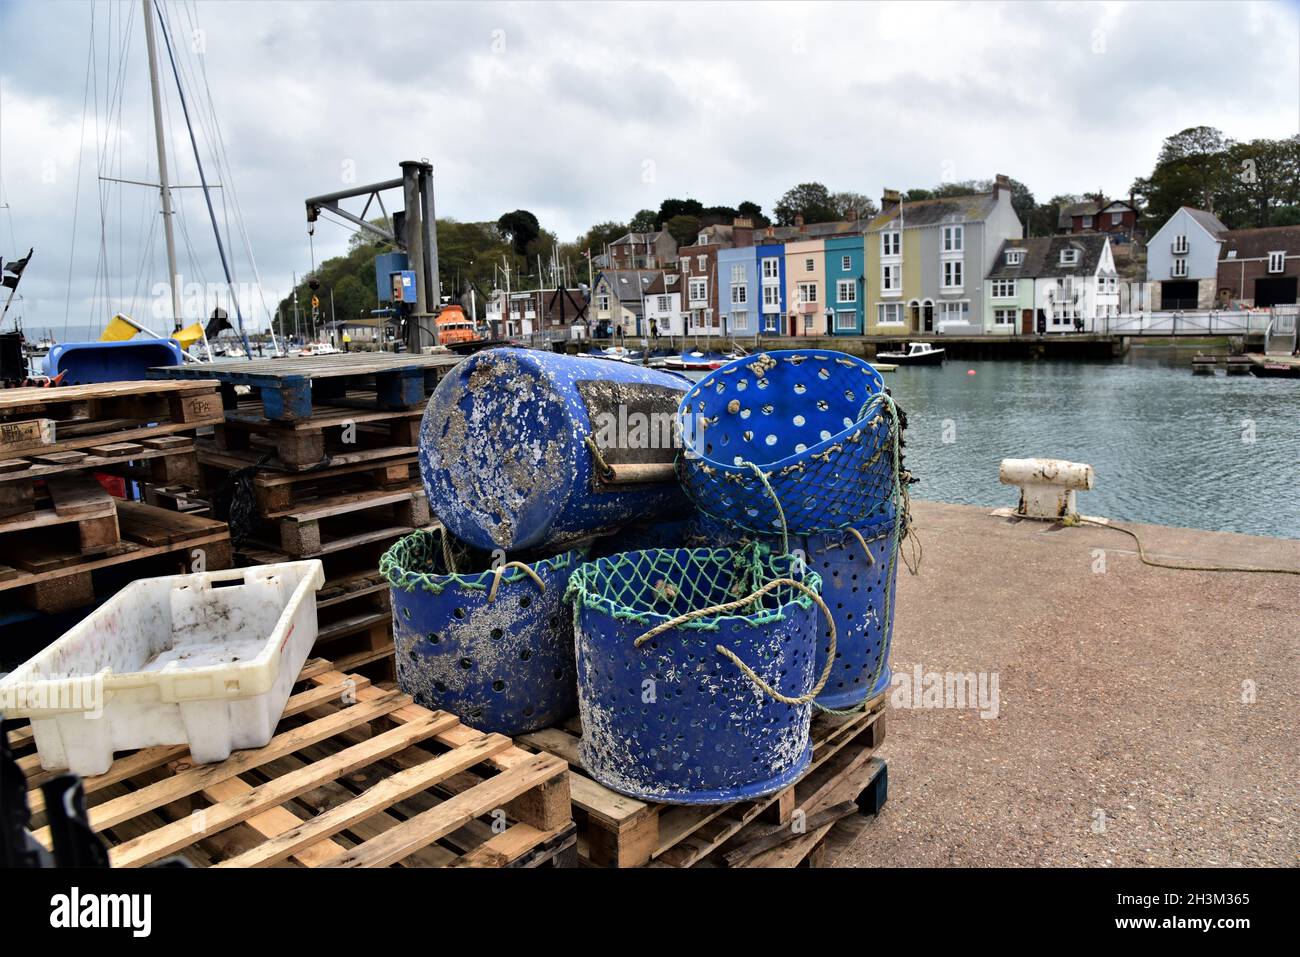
x,y
917,354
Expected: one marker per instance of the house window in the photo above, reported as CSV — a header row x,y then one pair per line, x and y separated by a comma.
x,y
846,264
702,262
952,238
769,322
889,314
737,273
954,311
701,240
1180,244
889,244
1116,218
1069,257
771,269
740,321
1179,268
807,322
1277,261
772,296
1087,222
807,292
662,303
1015,257
846,320
602,303
846,290
699,291
686,266
809,265
739,293
1003,289
1004,317
891,279
952,278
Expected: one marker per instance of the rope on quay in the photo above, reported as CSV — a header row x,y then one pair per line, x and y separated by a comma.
x,y
1181,566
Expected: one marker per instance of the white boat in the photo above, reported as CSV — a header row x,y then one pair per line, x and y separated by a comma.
x,y
917,354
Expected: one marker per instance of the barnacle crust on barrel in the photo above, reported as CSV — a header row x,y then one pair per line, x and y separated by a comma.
x,y
489,434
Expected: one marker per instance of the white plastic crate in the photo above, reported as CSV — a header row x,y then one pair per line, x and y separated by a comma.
x,y
206,660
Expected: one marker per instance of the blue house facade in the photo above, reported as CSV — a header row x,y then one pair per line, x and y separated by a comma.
x,y
771,287
846,292
738,291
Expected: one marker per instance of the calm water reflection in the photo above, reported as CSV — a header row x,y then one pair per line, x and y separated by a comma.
x,y
1168,447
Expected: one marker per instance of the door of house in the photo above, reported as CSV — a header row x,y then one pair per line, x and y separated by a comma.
x,y
928,310
1027,321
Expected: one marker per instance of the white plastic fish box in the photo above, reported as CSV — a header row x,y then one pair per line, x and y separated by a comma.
x,y
206,660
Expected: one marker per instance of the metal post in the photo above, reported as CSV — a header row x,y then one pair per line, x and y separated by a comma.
x,y
415,253
430,237
160,140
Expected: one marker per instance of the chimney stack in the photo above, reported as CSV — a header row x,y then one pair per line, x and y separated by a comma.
x,y
742,232
889,199
1001,182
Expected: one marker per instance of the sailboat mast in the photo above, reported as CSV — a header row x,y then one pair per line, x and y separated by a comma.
x,y
173,277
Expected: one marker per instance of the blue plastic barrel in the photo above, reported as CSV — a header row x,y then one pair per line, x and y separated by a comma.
x,y
501,662
858,586
676,720
504,451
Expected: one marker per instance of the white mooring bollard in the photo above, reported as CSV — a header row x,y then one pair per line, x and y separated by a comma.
x,y
1047,486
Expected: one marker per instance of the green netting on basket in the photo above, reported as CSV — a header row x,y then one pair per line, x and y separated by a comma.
x,y
662,584
429,559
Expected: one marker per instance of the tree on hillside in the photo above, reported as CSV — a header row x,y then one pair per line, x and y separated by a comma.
x,y
600,235
684,229
519,229
754,212
845,203
1191,169
812,201
645,221
679,207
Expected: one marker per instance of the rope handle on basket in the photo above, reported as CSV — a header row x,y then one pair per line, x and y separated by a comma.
x,y
785,532
601,465
747,671
871,559
500,570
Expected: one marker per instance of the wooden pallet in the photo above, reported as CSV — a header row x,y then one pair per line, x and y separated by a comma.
x,y
86,419
277,491
615,830
164,460
356,776
322,526
333,436
54,576
289,388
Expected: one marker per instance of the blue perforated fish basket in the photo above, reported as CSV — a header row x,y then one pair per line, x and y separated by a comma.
x,y
858,586
504,449
501,662
676,720
815,423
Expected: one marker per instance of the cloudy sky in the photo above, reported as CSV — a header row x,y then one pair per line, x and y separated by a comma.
x,y
586,112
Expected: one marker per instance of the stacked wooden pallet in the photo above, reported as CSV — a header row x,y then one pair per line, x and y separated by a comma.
x,y
356,776
65,541
786,829
323,451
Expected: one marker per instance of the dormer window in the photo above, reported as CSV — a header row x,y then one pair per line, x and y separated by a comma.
x,y
1069,257
1015,257
701,240
1277,261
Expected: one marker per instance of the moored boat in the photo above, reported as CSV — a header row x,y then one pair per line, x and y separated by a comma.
x,y
916,354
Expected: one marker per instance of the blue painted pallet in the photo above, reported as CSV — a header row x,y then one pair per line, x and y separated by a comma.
x,y
288,386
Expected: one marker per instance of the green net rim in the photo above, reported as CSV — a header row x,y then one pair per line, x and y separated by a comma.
x,y
419,548
760,556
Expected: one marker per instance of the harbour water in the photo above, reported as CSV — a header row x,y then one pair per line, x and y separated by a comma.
x,y
1169,448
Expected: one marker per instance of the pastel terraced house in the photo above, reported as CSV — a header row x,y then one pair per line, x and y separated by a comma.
x,y
740,295
805,276
845,284
1053,284
926,261
771,287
